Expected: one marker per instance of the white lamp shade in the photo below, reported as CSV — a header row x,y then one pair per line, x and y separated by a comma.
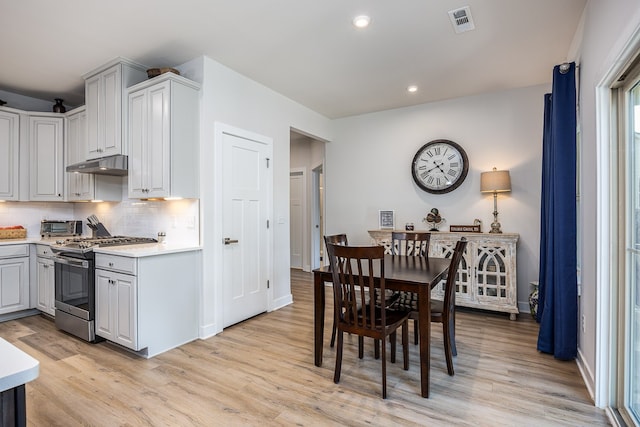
x,y
495,181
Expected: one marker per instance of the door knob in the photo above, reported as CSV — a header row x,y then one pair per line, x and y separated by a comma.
x,y
228,241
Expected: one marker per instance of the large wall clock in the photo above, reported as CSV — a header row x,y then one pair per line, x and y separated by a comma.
x,y
440,166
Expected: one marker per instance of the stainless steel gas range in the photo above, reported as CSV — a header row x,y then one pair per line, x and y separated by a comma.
x,y
75,281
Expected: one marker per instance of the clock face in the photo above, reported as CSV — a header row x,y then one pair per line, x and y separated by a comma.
x,y
440,166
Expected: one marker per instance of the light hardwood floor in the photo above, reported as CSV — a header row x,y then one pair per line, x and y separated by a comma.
x,y
261,372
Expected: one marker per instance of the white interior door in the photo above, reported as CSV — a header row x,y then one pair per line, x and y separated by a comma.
x,y
297,202
246,190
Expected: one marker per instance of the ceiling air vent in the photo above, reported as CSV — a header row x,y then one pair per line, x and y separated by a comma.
x,y
461,19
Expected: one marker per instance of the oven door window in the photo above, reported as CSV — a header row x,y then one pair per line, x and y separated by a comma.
x,y
72,285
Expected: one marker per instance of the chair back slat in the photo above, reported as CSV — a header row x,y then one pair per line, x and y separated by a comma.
x,y
410,243
450,285
354,271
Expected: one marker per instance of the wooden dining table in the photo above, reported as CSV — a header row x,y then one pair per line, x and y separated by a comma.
x,y
402,273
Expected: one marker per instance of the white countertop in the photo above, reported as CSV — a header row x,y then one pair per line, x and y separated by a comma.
x,y
147,249
133,251
4,242
17,367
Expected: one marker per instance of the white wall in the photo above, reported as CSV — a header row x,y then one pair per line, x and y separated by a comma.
x,y
368,168
26,103
30,214
608,27
308,154
233,99
177,218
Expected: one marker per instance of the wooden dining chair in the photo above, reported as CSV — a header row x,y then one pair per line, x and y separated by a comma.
x,y
336,239
354,271
411,244
444,311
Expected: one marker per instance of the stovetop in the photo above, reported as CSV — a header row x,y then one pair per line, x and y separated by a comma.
x,y
87,244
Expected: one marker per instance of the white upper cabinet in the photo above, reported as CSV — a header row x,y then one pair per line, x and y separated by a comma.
x,y
163,138
104,93
9,150
79,184
84,186
46,177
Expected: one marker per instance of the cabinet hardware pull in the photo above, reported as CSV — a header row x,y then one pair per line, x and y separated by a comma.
x,y
228,241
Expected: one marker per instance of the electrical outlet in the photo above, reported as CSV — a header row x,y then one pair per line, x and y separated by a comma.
x,y
584,324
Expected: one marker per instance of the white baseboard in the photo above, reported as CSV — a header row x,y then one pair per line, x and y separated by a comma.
x,y
587,375
282,302
208,331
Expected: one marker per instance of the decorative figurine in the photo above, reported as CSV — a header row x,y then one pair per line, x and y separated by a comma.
x,y
434,220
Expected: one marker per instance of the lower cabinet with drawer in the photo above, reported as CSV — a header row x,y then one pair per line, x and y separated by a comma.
x,y
148,304
116,308
14,278
45,279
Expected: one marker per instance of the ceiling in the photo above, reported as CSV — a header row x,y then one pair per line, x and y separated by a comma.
x,y
307,50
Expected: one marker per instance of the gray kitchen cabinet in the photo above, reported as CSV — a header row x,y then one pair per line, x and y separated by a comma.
x,y
46,158
105,109
163,138
85,186
148,304
45,279
116,307
14,278
9,152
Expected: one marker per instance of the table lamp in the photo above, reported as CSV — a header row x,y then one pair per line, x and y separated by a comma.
x,y
495,182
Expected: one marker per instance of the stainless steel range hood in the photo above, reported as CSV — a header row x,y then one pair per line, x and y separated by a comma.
x,y
116,165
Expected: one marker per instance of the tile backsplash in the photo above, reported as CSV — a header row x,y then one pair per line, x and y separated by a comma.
x,y
179,219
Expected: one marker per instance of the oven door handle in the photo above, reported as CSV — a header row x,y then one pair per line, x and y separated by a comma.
x,y
70,261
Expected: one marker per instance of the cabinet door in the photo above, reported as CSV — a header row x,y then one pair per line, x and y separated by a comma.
x,y
45,175
93,97
137,136
45,277
158,141
116,308
494,274
14,284
124,295
80,184
105,319
149,141
444,248
104,113
9,149
112,105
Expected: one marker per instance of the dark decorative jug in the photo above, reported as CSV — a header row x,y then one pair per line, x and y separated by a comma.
x,y
58,107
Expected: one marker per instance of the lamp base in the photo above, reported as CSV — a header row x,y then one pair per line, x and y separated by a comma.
x,y
495,228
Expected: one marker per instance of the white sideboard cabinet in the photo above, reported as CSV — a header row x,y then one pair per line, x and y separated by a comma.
x,y
487,276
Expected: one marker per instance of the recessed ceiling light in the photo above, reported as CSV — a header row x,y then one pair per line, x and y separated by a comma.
x,y
361,21
412,88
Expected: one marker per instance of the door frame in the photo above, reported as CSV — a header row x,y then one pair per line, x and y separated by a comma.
x,y
317,217
220,129
304,215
